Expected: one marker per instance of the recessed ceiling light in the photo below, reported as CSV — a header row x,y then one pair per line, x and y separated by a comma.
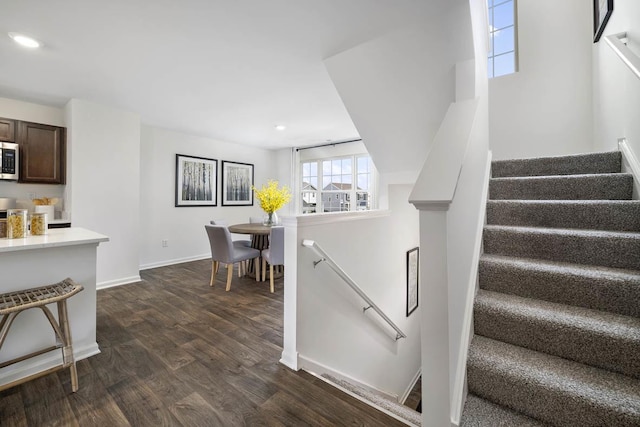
x,y
25,41
280,127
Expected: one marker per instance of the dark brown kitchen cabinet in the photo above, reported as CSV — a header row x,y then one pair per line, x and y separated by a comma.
x,y
7,130
42,153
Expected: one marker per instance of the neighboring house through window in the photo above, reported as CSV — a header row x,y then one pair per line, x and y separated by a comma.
x,y
337,184
503,53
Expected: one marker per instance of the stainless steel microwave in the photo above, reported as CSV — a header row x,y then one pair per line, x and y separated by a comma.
x,y
9,155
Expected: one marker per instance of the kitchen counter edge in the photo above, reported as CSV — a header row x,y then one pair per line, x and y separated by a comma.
x,y
54,238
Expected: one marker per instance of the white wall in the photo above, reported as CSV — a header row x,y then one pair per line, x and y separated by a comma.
x,y
545,108
398,87
19,110
103,184
616,106
333,335
183,227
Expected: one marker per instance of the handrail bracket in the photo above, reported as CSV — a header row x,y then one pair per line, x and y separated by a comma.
x,y
315,263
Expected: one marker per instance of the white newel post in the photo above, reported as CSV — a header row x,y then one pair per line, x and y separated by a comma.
x,y
434,302
291,248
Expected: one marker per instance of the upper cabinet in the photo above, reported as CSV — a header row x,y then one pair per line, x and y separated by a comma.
x,y
7,130
42,153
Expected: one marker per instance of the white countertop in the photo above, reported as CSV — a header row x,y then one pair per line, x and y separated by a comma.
x,y
54,238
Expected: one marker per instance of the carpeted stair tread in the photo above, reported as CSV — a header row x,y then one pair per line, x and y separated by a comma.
x,y
395,409
615,249
551,389
614,215
614,186
605,340
593,163
599,288
478,412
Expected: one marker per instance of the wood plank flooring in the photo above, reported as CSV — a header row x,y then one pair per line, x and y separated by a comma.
x,y
175,352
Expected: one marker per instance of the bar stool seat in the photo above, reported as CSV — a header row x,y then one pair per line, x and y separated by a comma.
x,y
14,303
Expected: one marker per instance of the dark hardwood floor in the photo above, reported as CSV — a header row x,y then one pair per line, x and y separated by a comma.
x,y
175,352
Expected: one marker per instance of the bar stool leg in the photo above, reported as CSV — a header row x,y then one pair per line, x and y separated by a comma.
x,y
67,350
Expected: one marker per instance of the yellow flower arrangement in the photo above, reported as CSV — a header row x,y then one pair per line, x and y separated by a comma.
x,y
271,197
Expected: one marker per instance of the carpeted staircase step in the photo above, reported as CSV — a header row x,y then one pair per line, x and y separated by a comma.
x,y
393,408
613,215
597,338
599,288
614,186
478,412
551,389
605,248
609,162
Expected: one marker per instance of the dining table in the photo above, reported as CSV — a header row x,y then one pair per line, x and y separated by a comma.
x,y
259,240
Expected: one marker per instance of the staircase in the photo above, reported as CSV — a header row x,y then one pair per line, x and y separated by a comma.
x,y
557,315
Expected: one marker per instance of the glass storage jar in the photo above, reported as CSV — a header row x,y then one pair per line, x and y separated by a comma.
x,y
39,223
16,223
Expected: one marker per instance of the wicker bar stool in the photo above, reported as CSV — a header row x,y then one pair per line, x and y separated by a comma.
x,y
14,303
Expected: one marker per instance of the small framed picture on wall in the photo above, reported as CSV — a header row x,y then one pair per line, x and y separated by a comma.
x,y
602,10
412,279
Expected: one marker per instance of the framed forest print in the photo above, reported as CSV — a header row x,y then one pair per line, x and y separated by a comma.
x,y
196,181
237,183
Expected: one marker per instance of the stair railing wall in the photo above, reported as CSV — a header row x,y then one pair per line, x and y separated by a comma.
x,y
326,331
324,257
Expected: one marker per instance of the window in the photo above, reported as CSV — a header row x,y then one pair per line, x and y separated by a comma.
x,y
502,38
345,184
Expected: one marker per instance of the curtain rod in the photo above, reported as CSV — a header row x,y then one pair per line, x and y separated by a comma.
x,y
330,144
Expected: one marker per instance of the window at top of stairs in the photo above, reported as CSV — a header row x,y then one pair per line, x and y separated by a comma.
x,y
503,58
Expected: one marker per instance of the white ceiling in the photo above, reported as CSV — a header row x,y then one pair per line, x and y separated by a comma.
x,y
225,69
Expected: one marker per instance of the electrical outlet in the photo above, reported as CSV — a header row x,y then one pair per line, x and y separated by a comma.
x,y
165,243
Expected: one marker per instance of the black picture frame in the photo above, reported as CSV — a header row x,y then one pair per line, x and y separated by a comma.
x,y
196,181
237,183
413,267
602,10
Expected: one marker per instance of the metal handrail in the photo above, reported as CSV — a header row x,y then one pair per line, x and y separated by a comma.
x,y
344,276
628,56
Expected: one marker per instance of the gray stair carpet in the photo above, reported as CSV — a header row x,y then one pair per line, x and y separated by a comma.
x,y
557,316
395,409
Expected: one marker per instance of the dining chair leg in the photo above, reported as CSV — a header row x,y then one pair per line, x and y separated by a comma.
x,y
229,275
213,272
217,265
256,262
264,268
271,276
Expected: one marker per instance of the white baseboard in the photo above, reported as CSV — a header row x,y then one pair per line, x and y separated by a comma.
x,y
318,369
290,360
118,282
43,362
630,164
459,394
134,279
407,392
173,261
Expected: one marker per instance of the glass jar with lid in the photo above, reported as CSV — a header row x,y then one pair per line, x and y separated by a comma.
x,y
16,223
39,223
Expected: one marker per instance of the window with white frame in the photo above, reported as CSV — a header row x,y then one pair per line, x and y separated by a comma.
x,y
502,38
339,184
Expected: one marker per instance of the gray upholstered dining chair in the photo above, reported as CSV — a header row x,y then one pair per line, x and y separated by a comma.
x,y
224,251
242,242
274,254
